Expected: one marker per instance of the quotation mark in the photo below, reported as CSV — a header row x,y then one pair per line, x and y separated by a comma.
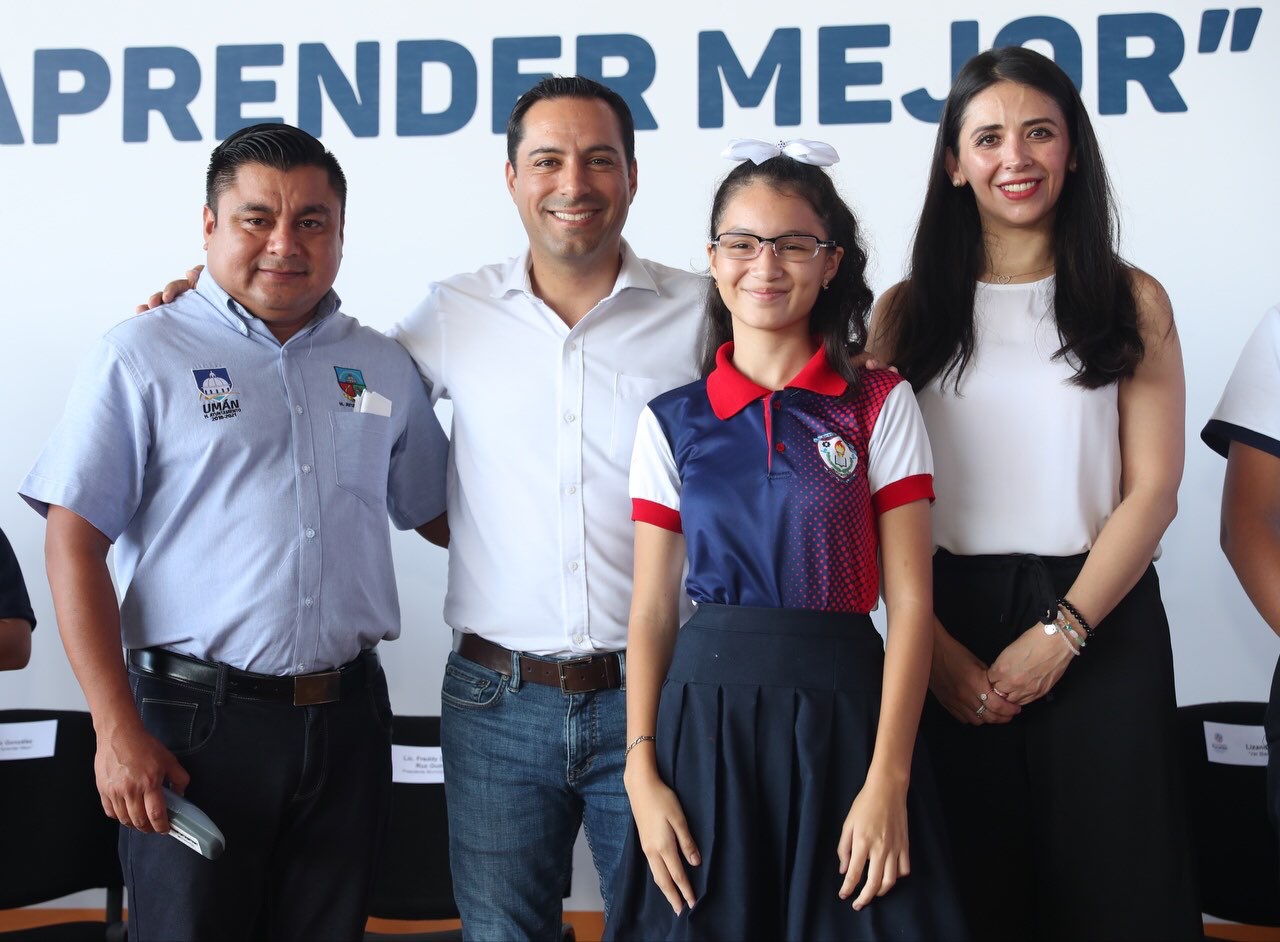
x,y
1214,22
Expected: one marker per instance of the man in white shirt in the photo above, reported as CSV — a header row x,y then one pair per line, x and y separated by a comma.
x,y
548,359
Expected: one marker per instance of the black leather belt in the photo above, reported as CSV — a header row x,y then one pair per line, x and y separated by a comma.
x,y
298,690
572,675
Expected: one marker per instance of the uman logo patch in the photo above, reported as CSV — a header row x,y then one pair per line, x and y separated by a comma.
x,y
837,454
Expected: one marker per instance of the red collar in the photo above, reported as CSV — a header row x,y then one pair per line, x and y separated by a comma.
x,y
730,392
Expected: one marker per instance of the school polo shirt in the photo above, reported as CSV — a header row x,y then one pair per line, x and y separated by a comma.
x,y
1249,411
777,493
246,498
544,418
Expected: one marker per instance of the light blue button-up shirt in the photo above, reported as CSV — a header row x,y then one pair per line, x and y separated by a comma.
x,y
246,498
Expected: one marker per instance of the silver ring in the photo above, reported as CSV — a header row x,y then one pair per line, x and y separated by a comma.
x,y
982,697
982,709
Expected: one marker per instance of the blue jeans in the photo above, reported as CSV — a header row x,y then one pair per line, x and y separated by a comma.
x,y
524,766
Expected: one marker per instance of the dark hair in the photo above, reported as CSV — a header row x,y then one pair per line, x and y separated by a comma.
x,y
839,315
571,86
931,314
279,146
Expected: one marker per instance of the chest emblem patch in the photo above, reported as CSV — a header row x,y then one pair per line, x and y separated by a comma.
x,y
837,454
218,397
350,381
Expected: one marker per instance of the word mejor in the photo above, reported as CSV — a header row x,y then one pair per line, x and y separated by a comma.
x,y
165,80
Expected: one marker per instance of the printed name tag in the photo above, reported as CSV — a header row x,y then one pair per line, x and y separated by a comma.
x,y
1230,744
28,740
417,765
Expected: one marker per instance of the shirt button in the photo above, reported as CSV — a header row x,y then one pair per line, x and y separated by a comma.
x,y
298,409
777,403
301,667
311,534
306,469
309,601
569,417
573,567
571,489
780,447
577,639
573,346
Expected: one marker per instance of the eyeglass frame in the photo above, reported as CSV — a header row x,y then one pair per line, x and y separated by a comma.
x,y
772,241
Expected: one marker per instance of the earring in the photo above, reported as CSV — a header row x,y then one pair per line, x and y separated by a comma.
x,y
826,285
957,181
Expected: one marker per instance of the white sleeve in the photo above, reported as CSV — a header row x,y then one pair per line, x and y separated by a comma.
x,y
422,333
655,480
899,460
1250,406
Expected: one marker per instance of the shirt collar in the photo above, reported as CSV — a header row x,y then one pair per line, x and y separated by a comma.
x,y
730,392
242,320
632,274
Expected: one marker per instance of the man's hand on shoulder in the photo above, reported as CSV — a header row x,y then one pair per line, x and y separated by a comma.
x,y
171,290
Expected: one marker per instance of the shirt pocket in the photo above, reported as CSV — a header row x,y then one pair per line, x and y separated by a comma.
x,y
362,454
630,395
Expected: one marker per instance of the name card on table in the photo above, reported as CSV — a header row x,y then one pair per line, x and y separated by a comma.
x,y
1232,744
28,740
417,765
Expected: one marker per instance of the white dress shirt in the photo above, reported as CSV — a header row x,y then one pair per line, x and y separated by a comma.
x,y
544,416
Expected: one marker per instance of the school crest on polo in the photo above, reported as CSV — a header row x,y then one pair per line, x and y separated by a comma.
x,y
218,396
837,454
350,381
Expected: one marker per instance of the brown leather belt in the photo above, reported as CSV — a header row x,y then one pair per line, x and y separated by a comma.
x,y
298,690
571,675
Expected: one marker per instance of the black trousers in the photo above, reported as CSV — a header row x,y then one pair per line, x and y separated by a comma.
x,y
301,794
1069,822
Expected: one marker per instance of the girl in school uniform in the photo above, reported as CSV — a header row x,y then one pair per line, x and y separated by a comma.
x,y
1050,379
771,739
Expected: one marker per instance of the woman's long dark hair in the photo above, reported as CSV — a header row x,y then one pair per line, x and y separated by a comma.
x,y
931,314
839,315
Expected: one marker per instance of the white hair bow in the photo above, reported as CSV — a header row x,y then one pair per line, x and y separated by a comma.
x,y
815,153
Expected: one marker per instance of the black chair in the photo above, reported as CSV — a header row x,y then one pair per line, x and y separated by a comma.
x,y
414,882
1234,844
57,841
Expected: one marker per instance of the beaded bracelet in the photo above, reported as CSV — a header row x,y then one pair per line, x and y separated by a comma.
x,y
1075,613
635,742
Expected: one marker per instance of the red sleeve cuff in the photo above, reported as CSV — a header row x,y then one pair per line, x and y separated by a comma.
x,y
646,511
903,491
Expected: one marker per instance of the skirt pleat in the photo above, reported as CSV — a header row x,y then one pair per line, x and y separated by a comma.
x,y
765,731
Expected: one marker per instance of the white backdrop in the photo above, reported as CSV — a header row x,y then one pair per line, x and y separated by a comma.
x,y
92,223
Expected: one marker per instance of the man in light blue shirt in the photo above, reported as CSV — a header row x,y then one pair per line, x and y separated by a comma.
x,y
227,447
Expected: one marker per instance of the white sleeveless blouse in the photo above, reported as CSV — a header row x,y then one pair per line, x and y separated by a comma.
x,y
1025,461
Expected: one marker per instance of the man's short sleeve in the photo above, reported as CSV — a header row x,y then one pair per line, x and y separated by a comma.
x,y
900,462
416,479
1249,410
95,460
655,480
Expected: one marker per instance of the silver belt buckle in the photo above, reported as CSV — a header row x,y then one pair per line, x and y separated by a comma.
x,y
311,689
570,662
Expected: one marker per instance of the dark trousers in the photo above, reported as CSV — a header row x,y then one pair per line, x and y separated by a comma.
x,y
1069,822
301,794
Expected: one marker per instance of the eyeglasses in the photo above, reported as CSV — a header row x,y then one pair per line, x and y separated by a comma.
x,y
742,247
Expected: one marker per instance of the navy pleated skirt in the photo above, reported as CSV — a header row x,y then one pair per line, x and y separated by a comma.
x,y
765,731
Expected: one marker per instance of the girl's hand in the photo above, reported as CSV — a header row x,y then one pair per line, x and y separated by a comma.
x,y
664,838
1029,667
960,682
874,838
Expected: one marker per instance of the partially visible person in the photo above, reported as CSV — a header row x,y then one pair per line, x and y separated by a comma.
x,y
770,739
230,449
1050,377
17,620
1245,429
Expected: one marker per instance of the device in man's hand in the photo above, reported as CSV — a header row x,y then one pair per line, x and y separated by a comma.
x,y
191,826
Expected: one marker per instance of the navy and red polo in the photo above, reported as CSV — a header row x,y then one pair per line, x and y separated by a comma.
x,y
777,492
